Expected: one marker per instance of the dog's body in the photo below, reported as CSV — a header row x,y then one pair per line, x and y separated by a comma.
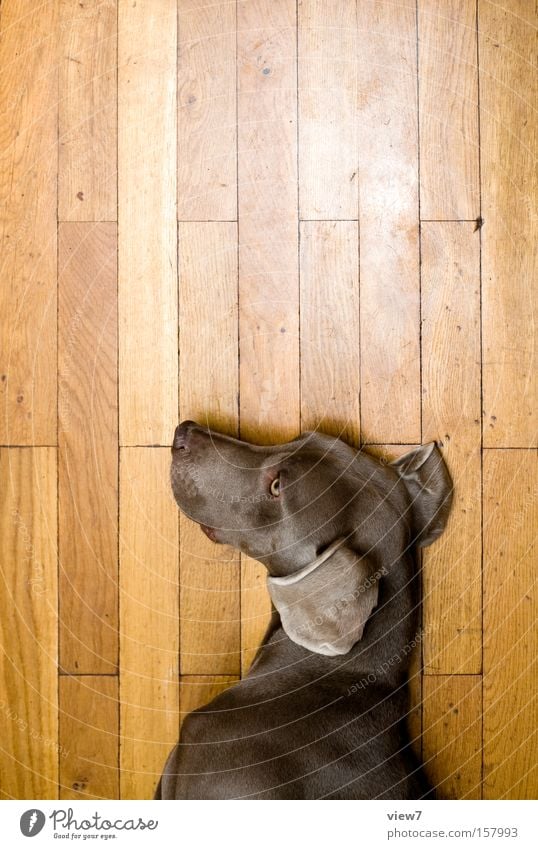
x,y
304,724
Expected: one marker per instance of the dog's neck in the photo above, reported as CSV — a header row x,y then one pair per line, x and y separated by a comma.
x,y
294,577
325,605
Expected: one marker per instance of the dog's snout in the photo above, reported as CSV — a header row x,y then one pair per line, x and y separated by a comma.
x,y
181,436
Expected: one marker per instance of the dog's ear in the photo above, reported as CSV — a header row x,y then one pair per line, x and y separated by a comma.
x,y
428,483
326,605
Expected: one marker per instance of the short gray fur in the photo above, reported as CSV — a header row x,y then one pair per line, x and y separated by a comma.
x,y
302,725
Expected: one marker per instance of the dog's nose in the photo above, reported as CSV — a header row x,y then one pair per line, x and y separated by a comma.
x,y
181,436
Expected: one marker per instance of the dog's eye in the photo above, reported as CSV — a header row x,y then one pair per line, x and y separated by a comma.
x,y
275,486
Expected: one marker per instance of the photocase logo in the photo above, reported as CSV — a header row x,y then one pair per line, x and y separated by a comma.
x,y
32,822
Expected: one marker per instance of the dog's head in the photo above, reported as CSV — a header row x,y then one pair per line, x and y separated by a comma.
x,y
288,505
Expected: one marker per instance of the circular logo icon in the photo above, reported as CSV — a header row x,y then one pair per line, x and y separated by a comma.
x,y
32,822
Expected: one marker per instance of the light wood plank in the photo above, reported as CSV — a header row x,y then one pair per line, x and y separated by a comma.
x,y
28,192
448,109
208,368
210,604
198,690
208,394
328,151
508,97
255,609
268,249
147,140
149,613
388,452
451,415
453,734
268,277
29,751
388,189
207,120
330,367
510,625
87,119
89,733
88,447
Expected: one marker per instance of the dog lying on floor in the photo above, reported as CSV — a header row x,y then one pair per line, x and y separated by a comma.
x,y
321,713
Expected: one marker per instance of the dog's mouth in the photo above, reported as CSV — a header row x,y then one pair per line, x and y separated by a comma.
x,y
209,532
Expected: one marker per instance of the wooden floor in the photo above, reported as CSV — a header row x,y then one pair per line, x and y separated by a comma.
x,y
329,208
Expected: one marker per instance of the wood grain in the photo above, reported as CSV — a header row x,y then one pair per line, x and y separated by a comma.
x,y
268,250
147,143
452,738
448,109
88,447
508,96
268,262
149,616
210,579
328,151
28,191
451,416
208,367
87,113
207,103
330,331
89,734
29,752
210,605
235,118
255,609
510,631
388,190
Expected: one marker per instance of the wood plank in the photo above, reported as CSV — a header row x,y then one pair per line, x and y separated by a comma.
x,y
29,752
210,604
208,394
508,96
448,109
255,609
207,103
89,733
388,451
149,613
268,276
328,150
451,415
87,115
388,190
268,249
208,368
330,366
198,690
510,625
453,734
28,192
147,137
88,447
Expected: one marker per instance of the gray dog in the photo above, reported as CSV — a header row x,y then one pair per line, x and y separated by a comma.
x,y
321,713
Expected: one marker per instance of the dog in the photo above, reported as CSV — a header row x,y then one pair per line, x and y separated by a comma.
x,y
321,712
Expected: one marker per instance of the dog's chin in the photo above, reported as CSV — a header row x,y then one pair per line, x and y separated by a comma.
x,y
210,533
